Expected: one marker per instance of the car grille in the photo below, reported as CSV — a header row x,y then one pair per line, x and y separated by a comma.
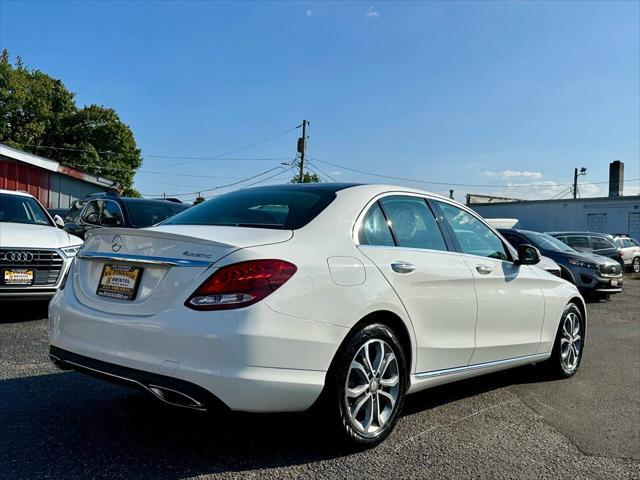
x,y
610,269
46,264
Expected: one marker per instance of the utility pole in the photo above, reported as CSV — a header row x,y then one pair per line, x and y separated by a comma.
x,y
576,174
302,147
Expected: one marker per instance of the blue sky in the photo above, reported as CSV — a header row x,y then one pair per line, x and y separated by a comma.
x,y
494,93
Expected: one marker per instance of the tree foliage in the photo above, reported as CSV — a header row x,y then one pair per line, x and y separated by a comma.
x,y
306,178
39,115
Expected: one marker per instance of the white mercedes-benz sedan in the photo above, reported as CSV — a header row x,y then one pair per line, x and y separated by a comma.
x,y
277,298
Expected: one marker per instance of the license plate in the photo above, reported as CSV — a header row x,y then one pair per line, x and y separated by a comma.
x,y
18,276
614,282
119,281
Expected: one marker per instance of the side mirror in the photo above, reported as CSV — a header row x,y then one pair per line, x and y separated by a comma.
x,y
57,219
527,255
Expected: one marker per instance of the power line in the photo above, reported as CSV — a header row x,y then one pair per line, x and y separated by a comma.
x,y
532,185
321,171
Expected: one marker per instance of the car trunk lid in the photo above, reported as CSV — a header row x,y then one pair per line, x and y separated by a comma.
x,y
169,261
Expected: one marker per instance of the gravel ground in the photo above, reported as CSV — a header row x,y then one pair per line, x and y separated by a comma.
x,y
514,424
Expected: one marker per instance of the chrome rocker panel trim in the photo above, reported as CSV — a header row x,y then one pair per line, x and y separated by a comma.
x,y
479,366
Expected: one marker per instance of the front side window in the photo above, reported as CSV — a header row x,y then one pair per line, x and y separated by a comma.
x,y
600,243
413,223
111,215
473,236
374,229
22,209
91,213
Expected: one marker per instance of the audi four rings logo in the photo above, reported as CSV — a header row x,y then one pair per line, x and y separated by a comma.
x,y
116,243
25,257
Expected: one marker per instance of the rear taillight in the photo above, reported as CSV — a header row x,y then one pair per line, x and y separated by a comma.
x,y
241,284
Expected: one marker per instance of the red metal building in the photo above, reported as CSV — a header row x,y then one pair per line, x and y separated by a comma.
x,y
54,184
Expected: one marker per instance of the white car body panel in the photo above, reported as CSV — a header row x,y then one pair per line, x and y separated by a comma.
x,y
274,355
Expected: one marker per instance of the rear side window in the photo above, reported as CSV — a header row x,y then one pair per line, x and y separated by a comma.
x,y
374,229
413,223
284,208
600,243
473,236
576,242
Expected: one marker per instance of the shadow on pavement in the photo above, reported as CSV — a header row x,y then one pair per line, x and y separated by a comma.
x,y
23,311
73,426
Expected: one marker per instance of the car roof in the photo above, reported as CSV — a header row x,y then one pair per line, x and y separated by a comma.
x,y
16,192
597,234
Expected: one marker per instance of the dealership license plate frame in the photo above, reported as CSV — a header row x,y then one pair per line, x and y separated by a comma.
x,y
120,292
28,283
615,282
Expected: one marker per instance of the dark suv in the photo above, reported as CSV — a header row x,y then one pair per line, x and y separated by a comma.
x,y
109,210
592,274
592,242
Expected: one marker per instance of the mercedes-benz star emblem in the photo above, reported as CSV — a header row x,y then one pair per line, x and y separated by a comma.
x,y
116,243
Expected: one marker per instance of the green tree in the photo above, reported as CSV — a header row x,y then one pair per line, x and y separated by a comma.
x,y
39,115
306,178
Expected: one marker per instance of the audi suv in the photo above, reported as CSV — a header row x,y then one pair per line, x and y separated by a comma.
x,y
35,252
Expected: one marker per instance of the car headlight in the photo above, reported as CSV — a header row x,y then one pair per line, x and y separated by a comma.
x,y
580,263
71,251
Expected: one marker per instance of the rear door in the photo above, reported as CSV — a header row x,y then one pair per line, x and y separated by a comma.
x,y
579,242
400,234
510,299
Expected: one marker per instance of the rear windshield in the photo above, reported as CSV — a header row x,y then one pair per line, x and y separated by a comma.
x,y
146,213
284,208
547,242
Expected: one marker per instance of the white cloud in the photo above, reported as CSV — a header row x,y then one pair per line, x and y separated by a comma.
x,y
336,172
547,189
309,13
504,174
372,12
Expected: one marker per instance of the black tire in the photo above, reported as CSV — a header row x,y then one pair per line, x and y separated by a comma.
x,y
635,265
556,366
336,402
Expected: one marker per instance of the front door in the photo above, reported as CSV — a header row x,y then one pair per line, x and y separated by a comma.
x,y
400,234
510,299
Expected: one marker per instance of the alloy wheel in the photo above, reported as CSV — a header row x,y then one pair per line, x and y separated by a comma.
x,y
372,387
636,265
570,342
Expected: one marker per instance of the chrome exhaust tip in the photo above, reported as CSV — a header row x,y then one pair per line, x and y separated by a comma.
x,y
174,397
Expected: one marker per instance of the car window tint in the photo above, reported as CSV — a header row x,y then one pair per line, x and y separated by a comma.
x,y
374,229
144,213
73,215
287,208
514,240
91,213
578,242
112,213
473,236
600,243
413,223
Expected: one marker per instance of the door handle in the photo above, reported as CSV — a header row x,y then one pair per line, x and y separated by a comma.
x,y
484,269
402,267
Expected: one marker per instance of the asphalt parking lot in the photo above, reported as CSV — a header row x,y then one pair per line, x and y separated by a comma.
x,y
514,424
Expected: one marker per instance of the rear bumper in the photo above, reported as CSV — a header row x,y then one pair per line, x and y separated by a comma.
x,y
252,359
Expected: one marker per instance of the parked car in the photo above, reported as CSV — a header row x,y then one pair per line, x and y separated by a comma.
x,y
591,242
108,210
630,252
61,212
591,273
34,252
272,298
